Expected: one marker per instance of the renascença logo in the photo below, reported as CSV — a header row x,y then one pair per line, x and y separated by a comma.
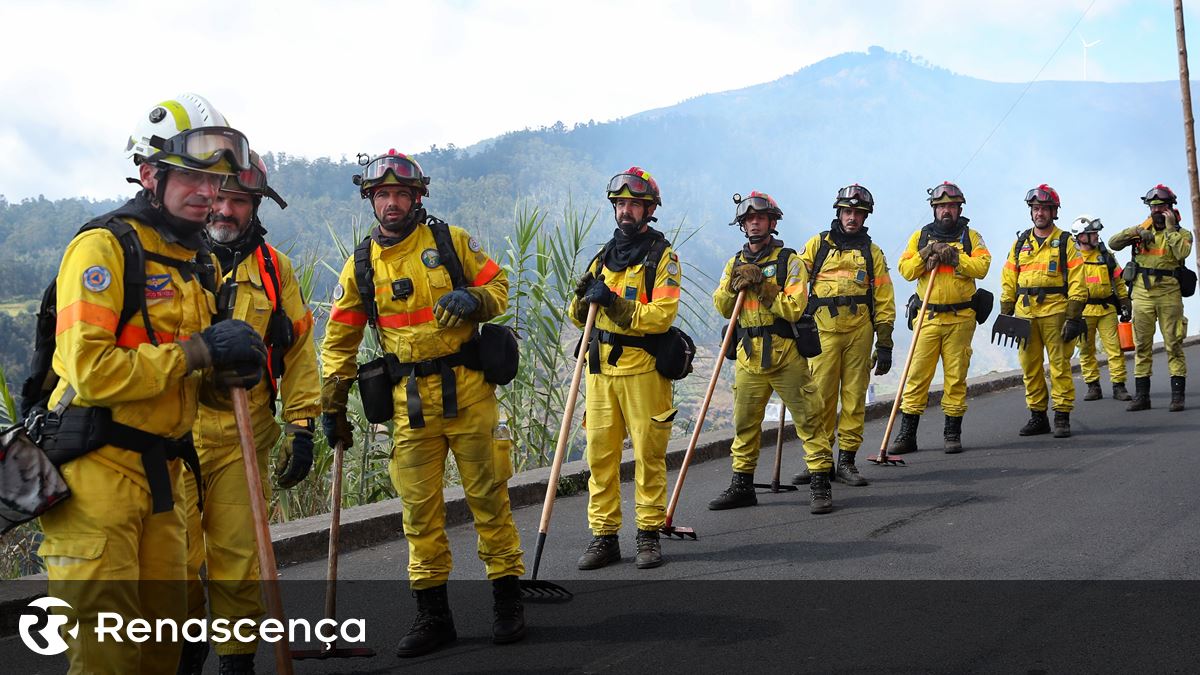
x,y
40,632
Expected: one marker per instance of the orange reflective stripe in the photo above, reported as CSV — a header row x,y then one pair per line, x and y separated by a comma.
x,y
666,291
1093,280
1008,265
489,272
1037,266
908,254
1074,263
885,279
348,317
402,319
303,324
1154,251
975,253
1117,271
267,282
89,313
131,336
945,269
792,288
750,303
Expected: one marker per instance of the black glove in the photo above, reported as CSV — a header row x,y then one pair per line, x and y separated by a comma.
x,y
1125,311
584,282
882,360
244,375
599,293
1072,329
229,343
295,456
337,429
454,307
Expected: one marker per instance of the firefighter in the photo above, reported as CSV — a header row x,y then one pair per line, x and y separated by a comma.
x,y
768,358
853,301
123,527
267,296
635,282
950,248
1043,281
1160,248
424,287
1108,300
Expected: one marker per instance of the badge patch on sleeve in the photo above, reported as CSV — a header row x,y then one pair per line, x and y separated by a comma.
x,y
473,244
156,287
769,271
430,257
672,268
96,278
338,292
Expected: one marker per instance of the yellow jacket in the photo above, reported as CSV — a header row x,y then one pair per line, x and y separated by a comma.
x,y
955,285
844,274
650,316
1100,284
1039,268
299,387
1169,250
407,326
144,385
788,305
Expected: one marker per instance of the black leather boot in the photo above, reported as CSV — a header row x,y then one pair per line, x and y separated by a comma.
x,y
1062,424
1038,424
1178,385
649,550
432,628
191,659
906,439
1093,392
821,495
952,435
1120,393
846,472
603,550
739,493
1141,397
509,623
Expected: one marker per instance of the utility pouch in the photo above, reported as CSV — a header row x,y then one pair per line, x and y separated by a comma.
x,y
1129,274
808,339
731,350
74,433
499,353
375,381
982,302
1187,281
912,308
30,484
673,358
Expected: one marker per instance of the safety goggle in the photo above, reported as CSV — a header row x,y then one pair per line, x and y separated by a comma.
x,y
203,147
401,168
1159,193
636,185
253,181
756,204
1042,196
946,190
855,192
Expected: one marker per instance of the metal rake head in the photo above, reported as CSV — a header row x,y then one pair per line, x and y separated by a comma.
x,y
678,532
1011,331
887,460
536,590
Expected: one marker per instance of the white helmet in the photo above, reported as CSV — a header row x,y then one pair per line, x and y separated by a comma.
x,y
1085,223
188,132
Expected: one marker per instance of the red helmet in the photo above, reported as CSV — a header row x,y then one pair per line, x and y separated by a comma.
x,y
636,183
253,181
946,193
1043,194
394,168
1160,194
759,202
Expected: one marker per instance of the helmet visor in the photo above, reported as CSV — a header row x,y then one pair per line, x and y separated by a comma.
x,y
402,167
1159,194
851,193
946,191
203,147
636,185
757,203
1040,195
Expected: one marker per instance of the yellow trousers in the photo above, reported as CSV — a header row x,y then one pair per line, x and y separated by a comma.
x,y
132,561
841,373
952,343
640,404
1163,306
1045,337
1104,327
417,469
795,386
222,537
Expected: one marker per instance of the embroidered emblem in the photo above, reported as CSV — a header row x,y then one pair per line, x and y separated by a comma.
x,y
473,244
430,257
156,287
673,268
338,292
96,278
769,270
631,292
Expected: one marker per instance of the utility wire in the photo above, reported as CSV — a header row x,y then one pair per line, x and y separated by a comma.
x,y
1024,91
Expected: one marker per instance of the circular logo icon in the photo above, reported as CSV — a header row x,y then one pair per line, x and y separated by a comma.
x,y
430,257
40,631
473,244
158,114
338,292
769,271
96,278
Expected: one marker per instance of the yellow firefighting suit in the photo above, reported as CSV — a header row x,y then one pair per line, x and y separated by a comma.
x,y
630,397
409,330
843,368
947,331
106,532
1105,292
1156,297
1041,291
782,371
223,535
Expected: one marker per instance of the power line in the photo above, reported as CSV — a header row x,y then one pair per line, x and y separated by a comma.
x,y
1024,91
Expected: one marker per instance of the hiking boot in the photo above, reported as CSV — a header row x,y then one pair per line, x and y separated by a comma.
x,y
235,664
846,472
1178,384
509,622
1120,393
649,551
191,659
906,439
1062,424
604,549
952,435
821,496
1038,424
1141,399
1093,392
739,493
801,478
433,627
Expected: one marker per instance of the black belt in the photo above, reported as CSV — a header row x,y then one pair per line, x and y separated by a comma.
x,y
951,307
1157,273
833,303
1110,301
444,365
781,328
618,342
1040,291
155,451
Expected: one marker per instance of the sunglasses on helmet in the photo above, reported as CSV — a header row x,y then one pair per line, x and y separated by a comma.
x,y
635,184
855,192
1159,193
203,147
1041,195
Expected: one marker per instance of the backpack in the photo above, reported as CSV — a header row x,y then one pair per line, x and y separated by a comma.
x,y
815,302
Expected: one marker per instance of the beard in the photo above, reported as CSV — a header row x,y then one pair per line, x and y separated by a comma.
x,y
224,231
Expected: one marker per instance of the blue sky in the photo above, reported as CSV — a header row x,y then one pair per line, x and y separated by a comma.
x,y
332,79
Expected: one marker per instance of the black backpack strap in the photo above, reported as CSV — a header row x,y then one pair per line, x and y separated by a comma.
x,y
818,262
446,253
1062,257
869,258
364,278
1022,239
269,264
650,265
134,275
781,265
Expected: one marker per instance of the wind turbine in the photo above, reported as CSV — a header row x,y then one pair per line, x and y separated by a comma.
x,y
1086,46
